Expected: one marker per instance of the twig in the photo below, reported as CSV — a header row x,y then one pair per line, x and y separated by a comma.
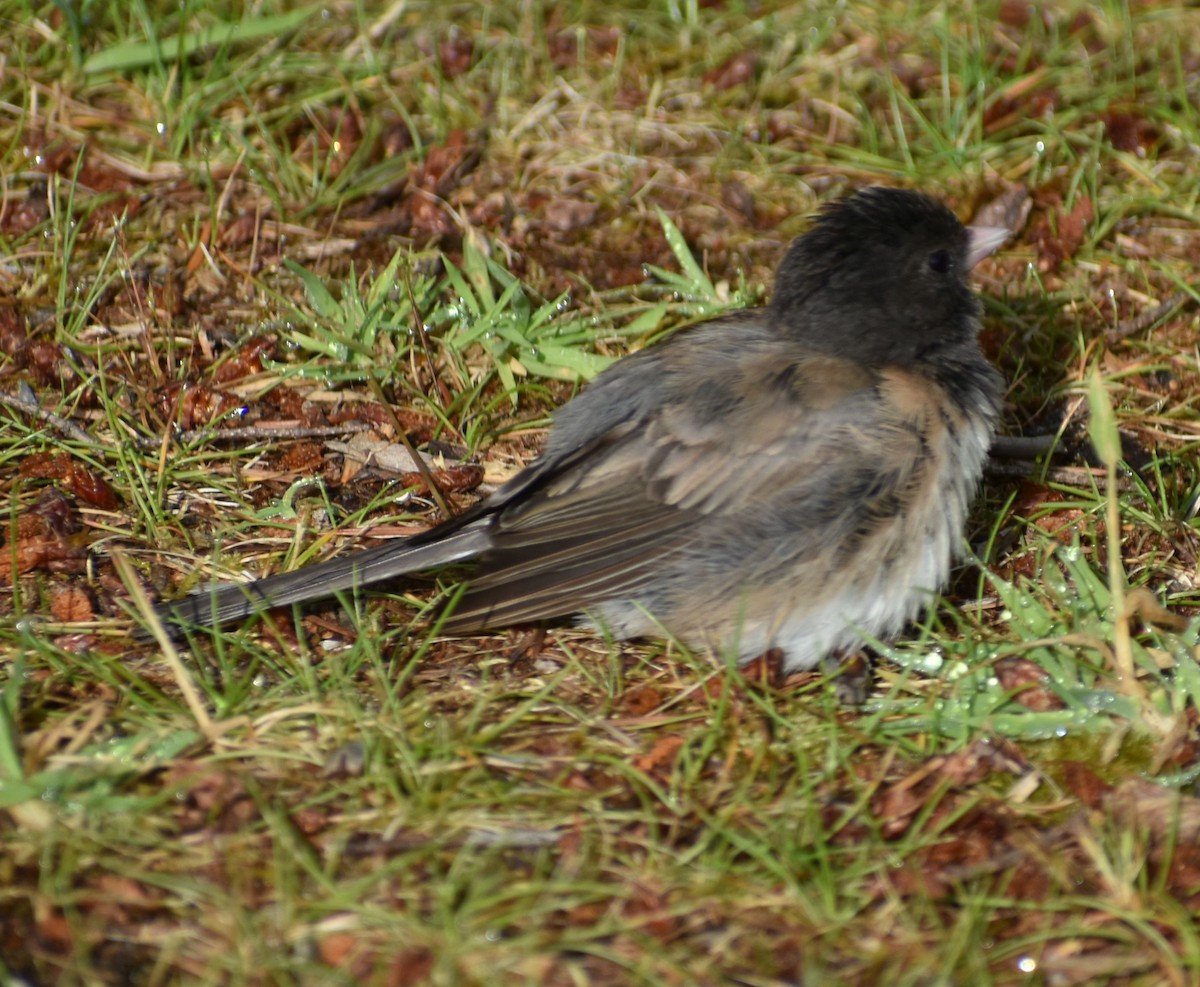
x,y
69,429
1068,476
250,433
1130,327
256,432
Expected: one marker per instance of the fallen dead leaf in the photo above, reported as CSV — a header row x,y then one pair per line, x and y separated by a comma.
x,y
735,71
661,758
71,605
1028,682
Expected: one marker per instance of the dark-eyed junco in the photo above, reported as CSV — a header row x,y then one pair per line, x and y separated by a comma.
x,y
791,477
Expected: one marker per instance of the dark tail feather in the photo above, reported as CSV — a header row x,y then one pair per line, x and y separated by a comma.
x,y
232,601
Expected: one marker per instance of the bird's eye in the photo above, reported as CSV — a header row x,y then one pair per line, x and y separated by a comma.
x,y
939,261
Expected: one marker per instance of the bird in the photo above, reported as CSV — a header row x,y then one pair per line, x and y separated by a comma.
x,y
790,479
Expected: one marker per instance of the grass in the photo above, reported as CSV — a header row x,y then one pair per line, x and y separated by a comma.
x,y
221,222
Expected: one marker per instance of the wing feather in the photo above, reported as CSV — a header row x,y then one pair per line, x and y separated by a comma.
x,y
602,527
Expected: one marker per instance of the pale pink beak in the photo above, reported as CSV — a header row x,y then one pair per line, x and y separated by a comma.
x,y
983,241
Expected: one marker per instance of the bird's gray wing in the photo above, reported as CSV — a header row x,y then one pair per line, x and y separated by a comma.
x,y
763,443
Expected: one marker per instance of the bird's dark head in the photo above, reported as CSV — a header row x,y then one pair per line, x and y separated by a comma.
x,y
882,278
